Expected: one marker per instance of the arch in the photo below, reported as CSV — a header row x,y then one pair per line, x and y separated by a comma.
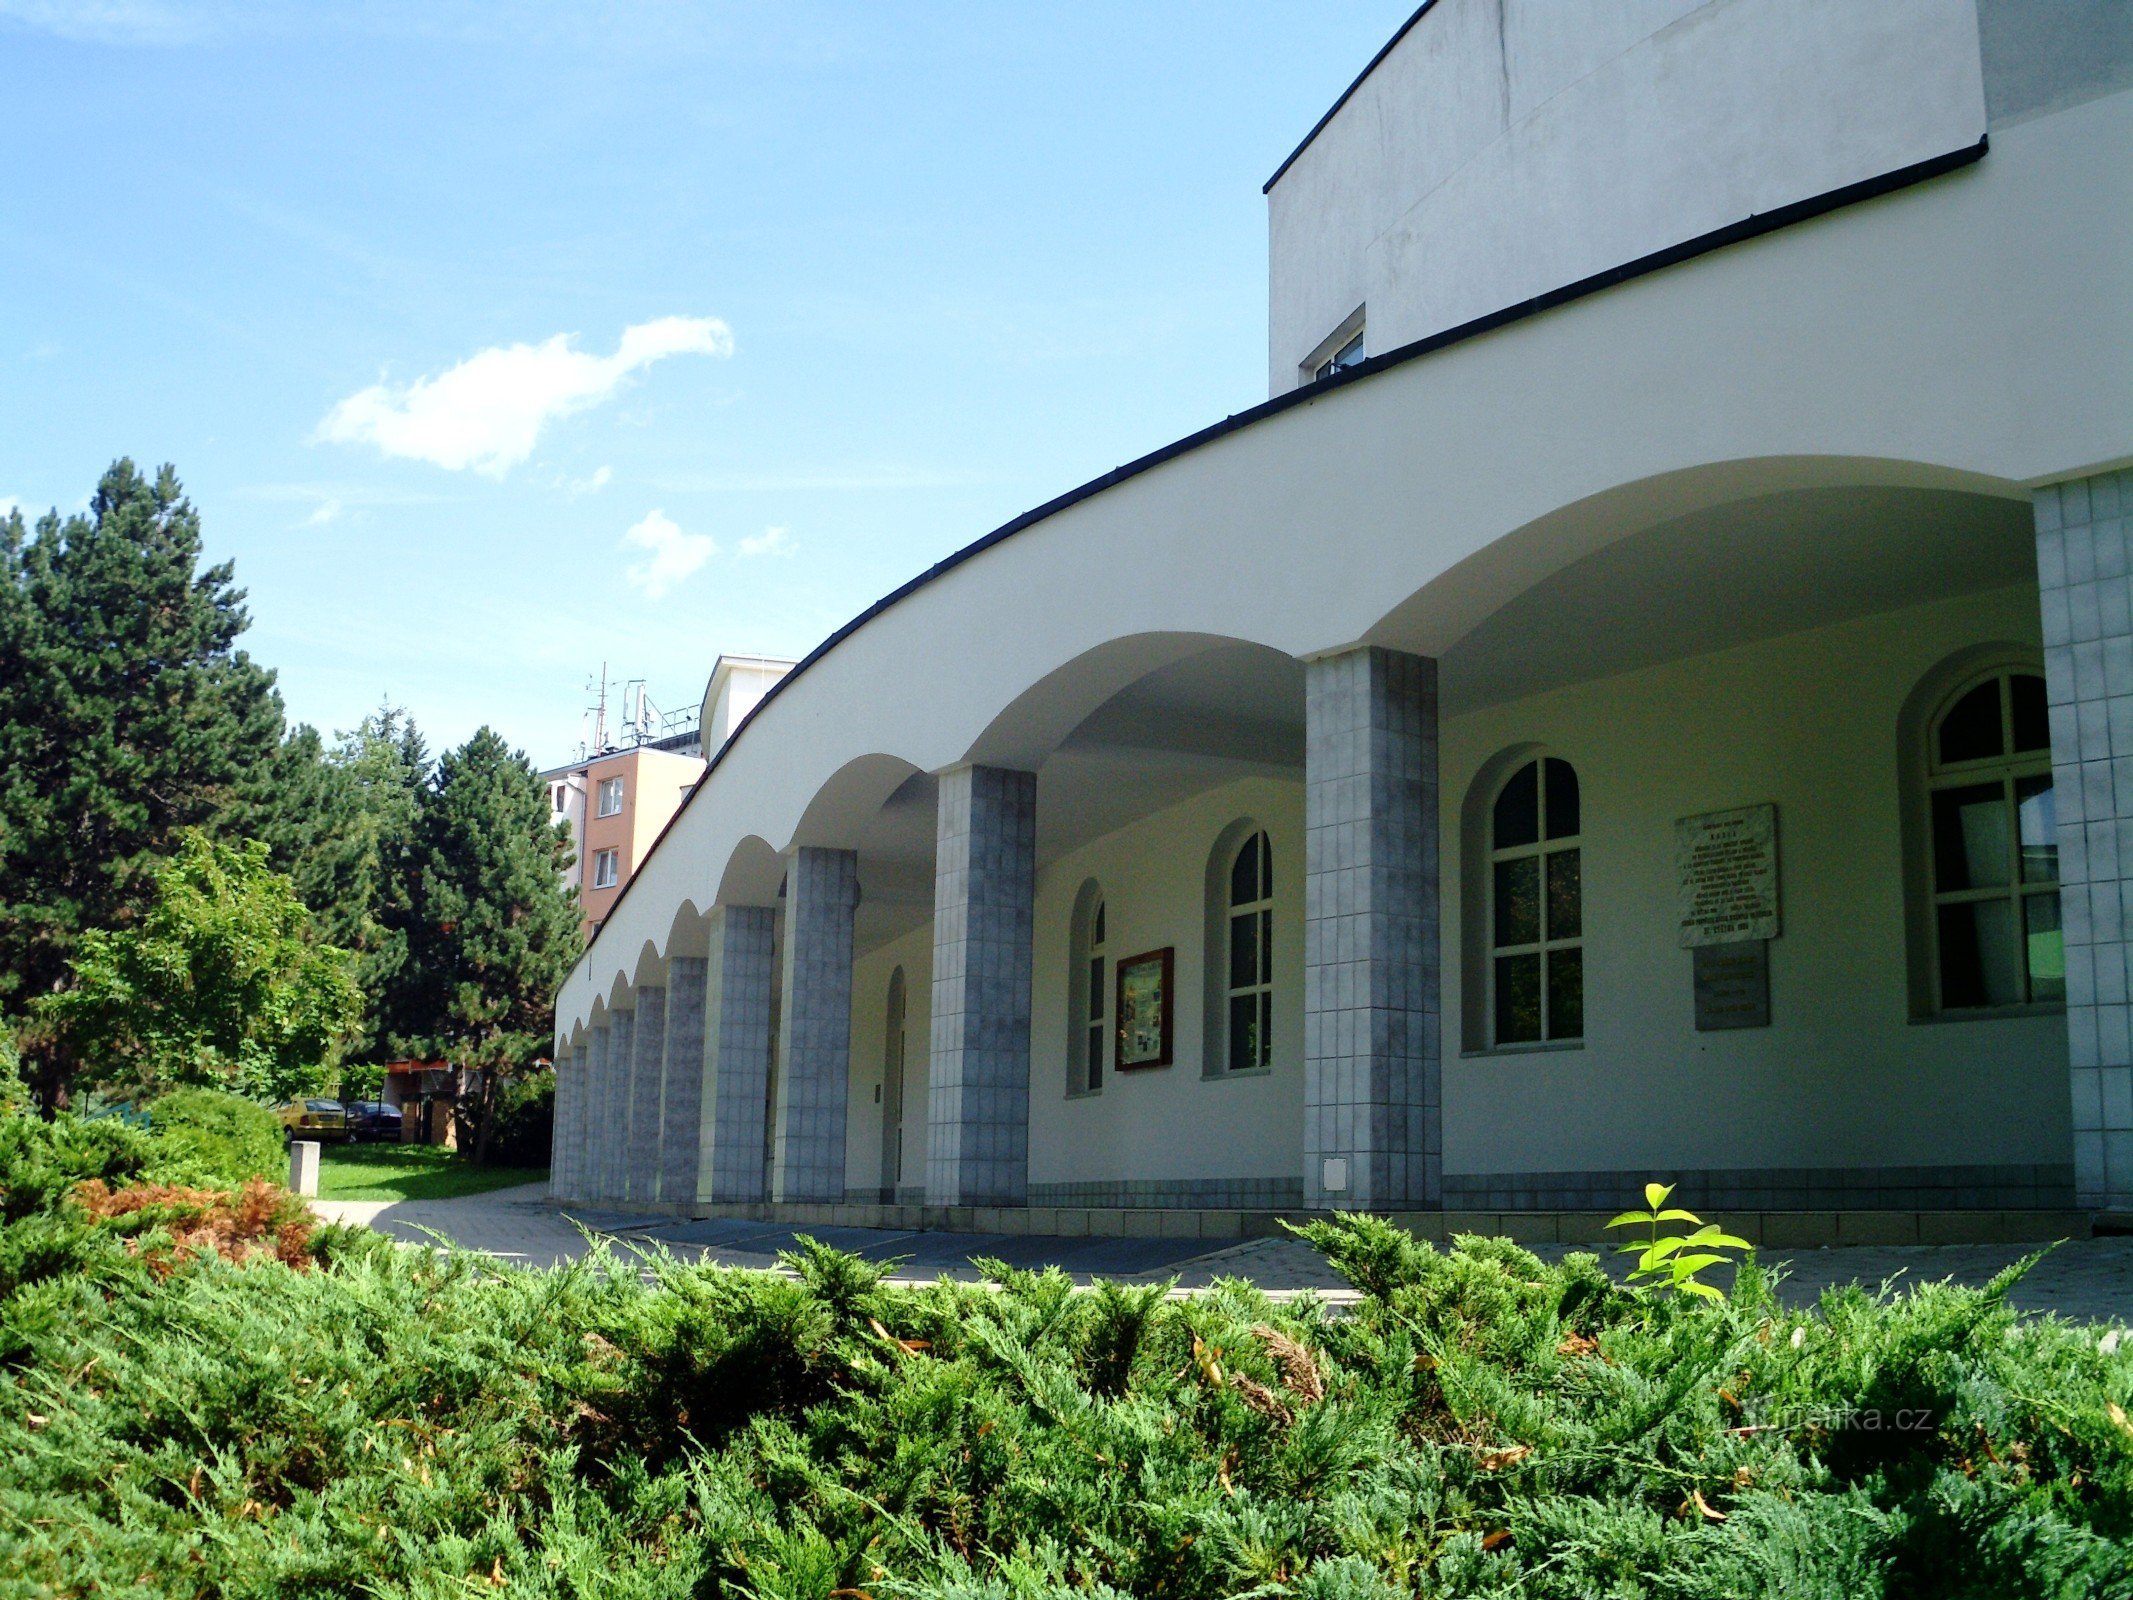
x,y
689,934
1037,721
1551,951
1921,773
849,799
753,875
1454,602
649,970
1217,1056
1088,1013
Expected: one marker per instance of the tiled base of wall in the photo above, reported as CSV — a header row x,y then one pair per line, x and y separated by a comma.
x,y
1775,1229
1219,1194
1995,1188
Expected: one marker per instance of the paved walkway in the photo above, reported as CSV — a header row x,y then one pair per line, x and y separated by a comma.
x,y
2087,1279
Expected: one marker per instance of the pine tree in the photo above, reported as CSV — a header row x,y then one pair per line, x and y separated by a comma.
x,y
342,826
127,714
491,927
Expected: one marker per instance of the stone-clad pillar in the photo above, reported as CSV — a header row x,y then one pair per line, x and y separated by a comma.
x,y
615,1134
814,1065
593,1152
581,1120
563,1128
2084,588
740,987
1373,1128
647,1072
977,1085
681,1095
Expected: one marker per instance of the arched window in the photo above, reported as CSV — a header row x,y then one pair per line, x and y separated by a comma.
x,y
1994,847
1088,994
1250,967
1536,917
892,1087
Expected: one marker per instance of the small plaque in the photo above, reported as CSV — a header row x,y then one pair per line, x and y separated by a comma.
x,y
1728,865
1732,985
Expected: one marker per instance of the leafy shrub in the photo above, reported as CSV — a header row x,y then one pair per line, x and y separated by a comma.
x,y
207,1137
410,1422
525,1121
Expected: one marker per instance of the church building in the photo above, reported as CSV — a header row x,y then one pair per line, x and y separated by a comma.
x,y
1650,694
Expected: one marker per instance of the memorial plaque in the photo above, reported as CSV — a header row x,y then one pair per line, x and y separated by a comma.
x,y
1728,865
1732,985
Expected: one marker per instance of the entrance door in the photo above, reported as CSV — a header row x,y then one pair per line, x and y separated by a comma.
x,y
892,1091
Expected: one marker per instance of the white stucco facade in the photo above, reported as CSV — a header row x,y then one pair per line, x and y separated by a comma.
x,y
1704,533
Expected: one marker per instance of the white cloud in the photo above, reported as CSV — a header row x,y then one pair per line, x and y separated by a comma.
x,y
322,513
487,413
770,542
122,22
674,554
575,487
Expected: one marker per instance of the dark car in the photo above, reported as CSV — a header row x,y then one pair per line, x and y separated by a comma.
x,y
373,1120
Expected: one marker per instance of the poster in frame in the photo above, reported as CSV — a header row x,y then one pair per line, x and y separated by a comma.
x,y
1145,1010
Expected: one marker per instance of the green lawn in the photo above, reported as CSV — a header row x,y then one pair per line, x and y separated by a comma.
x,y
410,1172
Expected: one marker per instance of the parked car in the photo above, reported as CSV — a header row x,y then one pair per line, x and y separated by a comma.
x,y
373,1120
323,1120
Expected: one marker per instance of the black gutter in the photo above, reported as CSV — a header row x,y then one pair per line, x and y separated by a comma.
x,y
1750,227
1347,94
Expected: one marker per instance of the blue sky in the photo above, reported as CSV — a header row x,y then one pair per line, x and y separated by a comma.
x,y
495,341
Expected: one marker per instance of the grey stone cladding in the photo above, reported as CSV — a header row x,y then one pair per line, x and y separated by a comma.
x,y
615,1129
1187,1194
740,980
2011,1187
682,1081
984,883
593,1185
1372,1065
2085,591
814,1061
640,1179
567,1141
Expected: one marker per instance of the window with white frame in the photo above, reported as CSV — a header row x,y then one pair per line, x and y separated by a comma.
x,y
1250,966
610,797
1340,360
1994,851
1097,1011
1088,994
1536,907
607,868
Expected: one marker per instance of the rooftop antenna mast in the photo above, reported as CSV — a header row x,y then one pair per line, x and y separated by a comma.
x,y
599,711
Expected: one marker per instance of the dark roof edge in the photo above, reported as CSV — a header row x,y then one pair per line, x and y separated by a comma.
x,y
1347,94
1747,228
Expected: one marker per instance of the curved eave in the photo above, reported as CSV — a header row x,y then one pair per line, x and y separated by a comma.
x,y
1747,228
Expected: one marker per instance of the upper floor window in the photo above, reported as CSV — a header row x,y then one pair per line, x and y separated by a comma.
x,y
1340,360
1250,968
1536,907
610,797
607,868
1994,847
1338,351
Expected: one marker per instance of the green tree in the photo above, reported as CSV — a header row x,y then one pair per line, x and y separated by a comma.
x,y
343,833
127,714
222,983
492,929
